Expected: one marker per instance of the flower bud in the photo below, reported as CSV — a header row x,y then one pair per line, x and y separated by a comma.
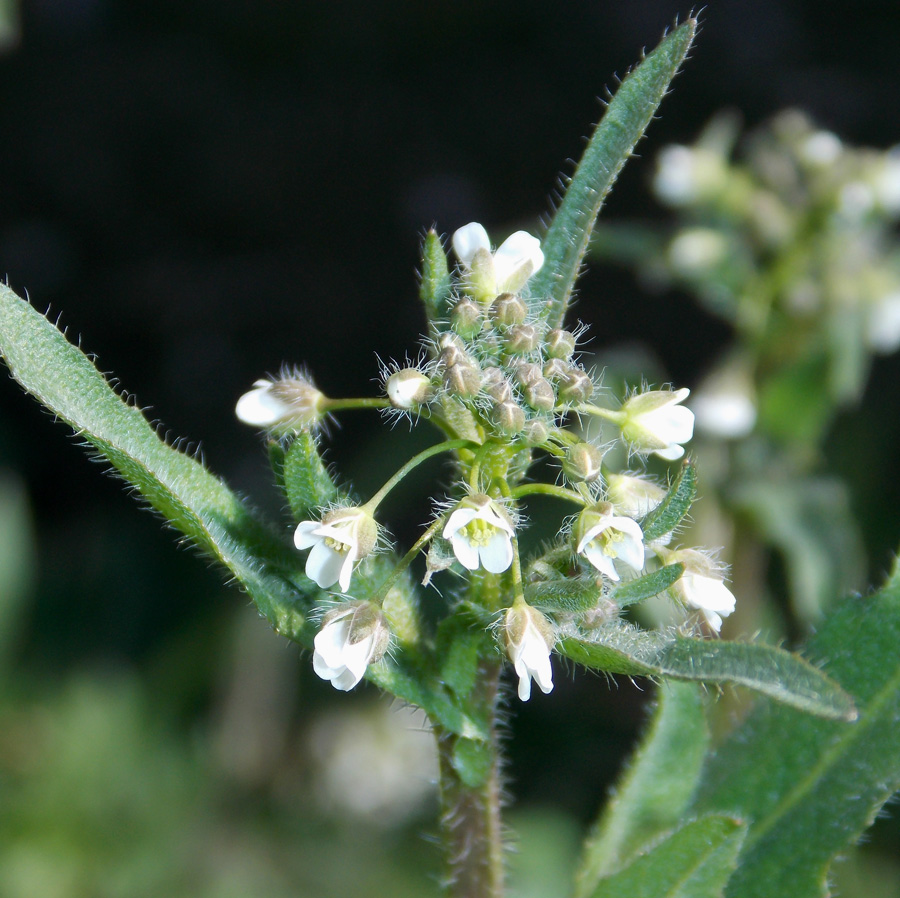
x,y
466,318
555,369
633,496
521,338
582,462
463,379
508,310
499,391
576,386
529,640
701,586
535,432
539,395
560,344
508,418
408,388
527,373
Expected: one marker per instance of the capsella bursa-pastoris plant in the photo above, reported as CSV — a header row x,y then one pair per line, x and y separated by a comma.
x,y
506,389
500,378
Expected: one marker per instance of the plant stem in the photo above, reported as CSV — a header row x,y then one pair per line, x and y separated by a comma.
x,y
471,827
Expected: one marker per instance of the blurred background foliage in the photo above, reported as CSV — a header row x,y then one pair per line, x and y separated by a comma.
x,y
207,190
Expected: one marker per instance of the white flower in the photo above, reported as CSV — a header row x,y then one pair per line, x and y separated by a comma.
x,y
701,586
655,422
351,639
506,270
686,175
338,541
481,534
603,538
291,403
529,639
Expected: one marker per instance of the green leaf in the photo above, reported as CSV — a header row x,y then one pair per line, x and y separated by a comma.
x,y
646,587
194,501
434,289
656,788
307,483
671,511
696,861
619,647
627,117
810,787
573,594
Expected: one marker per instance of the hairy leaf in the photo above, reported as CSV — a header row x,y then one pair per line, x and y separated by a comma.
x,y
696,861
809,787
671,511
655,789
618,647
627,117
646,587
62,378
572,594
307,483
434,289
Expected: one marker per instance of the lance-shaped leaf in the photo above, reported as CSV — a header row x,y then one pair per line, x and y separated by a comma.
x,y
571,594
696,861
198,504
434,289
307,483
809,787
619,647
652,795
677,503
627,116
646,587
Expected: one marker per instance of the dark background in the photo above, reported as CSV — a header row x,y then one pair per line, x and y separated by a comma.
x,y
206,190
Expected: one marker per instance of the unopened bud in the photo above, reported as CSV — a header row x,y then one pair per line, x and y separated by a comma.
x,y
555,369
539,395
560,344
291,403
509,418
408,388
535,432
499,390
463,379
521,338
508,310
528,372
576,386
582,463
466,318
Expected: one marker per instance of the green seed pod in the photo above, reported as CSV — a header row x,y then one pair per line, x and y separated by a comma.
x,y
508,418
466,318
539,395
508,310
521,338
576,386
560,344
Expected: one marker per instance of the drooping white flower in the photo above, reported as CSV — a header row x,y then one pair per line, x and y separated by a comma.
x,y
337,542
289,403
481,533
654,421
603,538
701,586
529,640
352,637
506,270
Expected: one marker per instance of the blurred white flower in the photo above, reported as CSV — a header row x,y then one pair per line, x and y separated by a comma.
x,y
338,541
883,324
481,534
603,538
529,639
506,270
655,421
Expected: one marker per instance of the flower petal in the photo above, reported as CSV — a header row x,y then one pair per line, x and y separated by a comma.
x,y
497,555
468,240
259,408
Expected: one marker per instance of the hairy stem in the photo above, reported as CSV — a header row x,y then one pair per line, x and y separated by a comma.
x,y
471,828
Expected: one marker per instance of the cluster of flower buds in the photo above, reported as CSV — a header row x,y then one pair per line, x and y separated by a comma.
x,y
503,384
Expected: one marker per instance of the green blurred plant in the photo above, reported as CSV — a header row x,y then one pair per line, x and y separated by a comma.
x,y
499,377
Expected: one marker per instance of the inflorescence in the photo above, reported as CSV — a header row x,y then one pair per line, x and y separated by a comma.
x,y
506,389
